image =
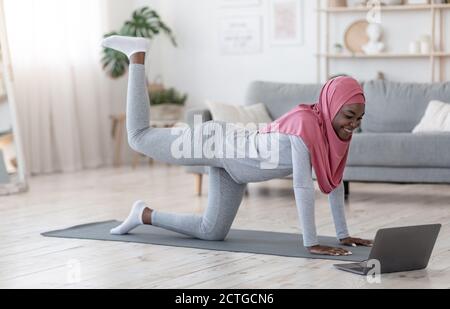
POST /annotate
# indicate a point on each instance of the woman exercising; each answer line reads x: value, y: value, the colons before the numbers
x: 316, y: 136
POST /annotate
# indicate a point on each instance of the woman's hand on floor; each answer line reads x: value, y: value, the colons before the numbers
x: 354, y: 242
x: 325, y: 250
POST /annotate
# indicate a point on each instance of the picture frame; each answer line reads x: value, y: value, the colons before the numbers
x: 240, y: 35
x: 286, y: 22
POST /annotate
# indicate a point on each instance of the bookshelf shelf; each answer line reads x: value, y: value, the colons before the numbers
x: 325, y: 56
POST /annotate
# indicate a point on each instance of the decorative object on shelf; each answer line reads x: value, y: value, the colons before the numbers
x: 414, y: 47
x: 286, y: 22
x: 374, y: 46
x: 356, y: 36
x: 425, y: 44
x: 337, y: 3
x: 144, y: 23
x: 167, y: 105
x: 353, y: 3
x: 338, y: 48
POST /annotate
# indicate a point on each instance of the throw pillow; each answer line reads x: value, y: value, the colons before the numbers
x: 250, y: 115
x: 436, y: 118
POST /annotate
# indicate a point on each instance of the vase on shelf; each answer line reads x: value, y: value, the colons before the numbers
x: 425, y: 44
x: 374, y: 46
x: 414, y: 47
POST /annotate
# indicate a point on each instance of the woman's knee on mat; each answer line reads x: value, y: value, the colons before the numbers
x: 215, y: 233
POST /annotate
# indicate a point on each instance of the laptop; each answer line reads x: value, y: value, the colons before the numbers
x: 398, y: 249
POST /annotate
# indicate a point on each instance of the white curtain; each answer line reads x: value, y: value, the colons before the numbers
x: 61, y: 91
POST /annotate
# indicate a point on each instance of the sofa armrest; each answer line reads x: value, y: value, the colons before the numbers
x: 204, y: 113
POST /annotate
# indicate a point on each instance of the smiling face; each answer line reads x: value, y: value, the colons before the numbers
x: 348, y: 119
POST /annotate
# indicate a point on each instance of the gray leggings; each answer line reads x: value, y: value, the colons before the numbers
x: 224, y: 196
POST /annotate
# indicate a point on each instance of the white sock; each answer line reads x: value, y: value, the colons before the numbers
x: 134, y: 219
x: 127, y: 45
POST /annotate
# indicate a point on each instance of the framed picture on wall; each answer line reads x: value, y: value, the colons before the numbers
x: 286, y: 22
x: 238, y: 3
x: 240, y: 35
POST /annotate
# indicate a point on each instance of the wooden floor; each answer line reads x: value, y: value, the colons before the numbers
x: 28, y: 260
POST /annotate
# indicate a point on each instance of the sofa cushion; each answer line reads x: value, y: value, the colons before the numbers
x: 400, y: 150
x: 280, y: 98
x: 436, y: 118
x: 398, y: 107
x: 252, y: 114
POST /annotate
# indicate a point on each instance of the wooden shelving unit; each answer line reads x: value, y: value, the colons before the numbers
x: 384, y: 55
x: 387, y: 8
x: 324, y: 56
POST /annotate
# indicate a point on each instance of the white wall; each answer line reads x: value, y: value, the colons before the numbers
x: 198, y: 68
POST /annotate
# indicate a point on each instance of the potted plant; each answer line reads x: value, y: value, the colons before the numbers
x: 338, y: 48
x: 145, y: 23
x: 167, y: 105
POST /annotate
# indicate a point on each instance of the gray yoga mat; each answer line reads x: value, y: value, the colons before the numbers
x: 271, y: 243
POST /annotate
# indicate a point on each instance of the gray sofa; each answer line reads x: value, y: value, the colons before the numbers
x: 384, y: 150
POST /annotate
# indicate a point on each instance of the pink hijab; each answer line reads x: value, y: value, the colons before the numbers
x: 313, y: 123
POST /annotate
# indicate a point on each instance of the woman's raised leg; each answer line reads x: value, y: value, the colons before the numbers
x: 162, y: 144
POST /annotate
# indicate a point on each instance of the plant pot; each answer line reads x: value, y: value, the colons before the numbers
x: 166, y: 112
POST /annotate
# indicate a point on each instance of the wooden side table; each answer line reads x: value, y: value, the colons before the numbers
x: 118, y: 131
